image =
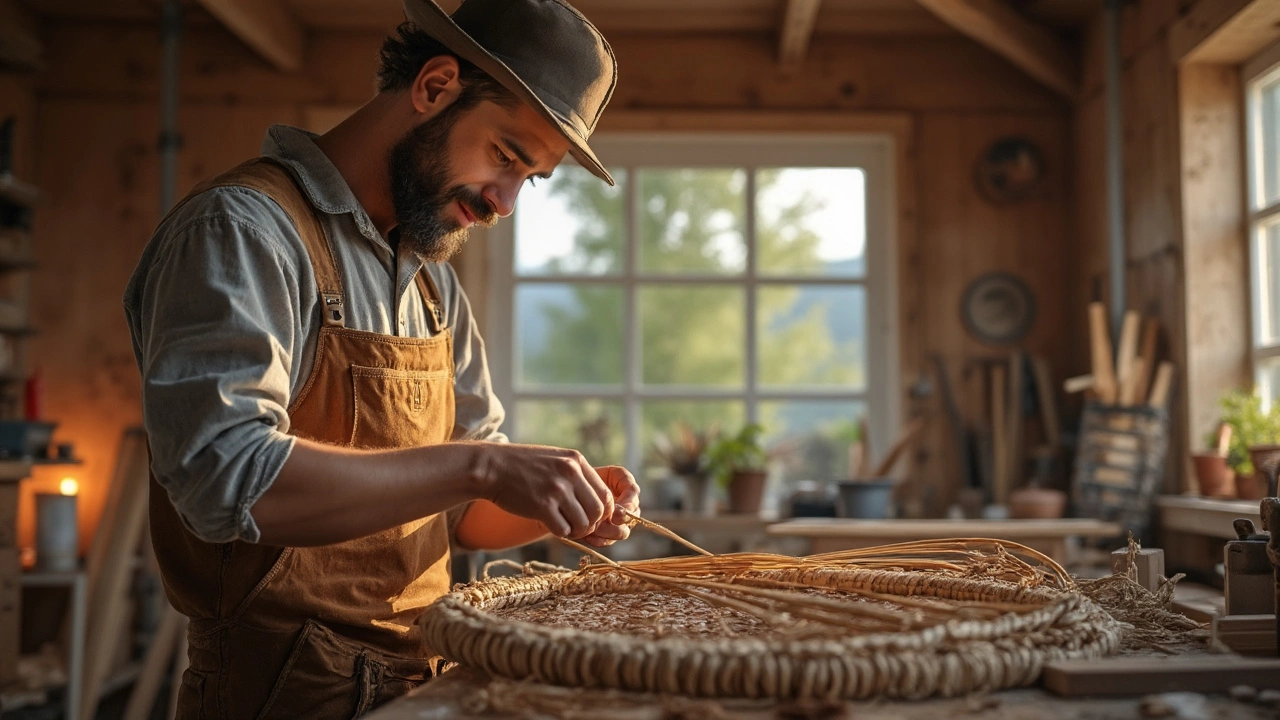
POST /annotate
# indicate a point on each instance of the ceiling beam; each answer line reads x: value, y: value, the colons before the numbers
x: 797, y: 29
x: 1224, y: 31
x: 1033, y: 48
x: 265, y: 26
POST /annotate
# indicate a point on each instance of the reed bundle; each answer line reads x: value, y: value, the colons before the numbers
x: 936, y: 617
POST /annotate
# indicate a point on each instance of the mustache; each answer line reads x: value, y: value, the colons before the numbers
x: 475, y: 204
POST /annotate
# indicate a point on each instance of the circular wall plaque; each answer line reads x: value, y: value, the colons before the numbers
x: 998, y: 308
x: 1011, y: 169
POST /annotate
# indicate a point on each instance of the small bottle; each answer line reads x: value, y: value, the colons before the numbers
x: 31, y: 397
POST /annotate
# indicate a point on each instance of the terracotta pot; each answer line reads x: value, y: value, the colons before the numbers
x: 746, y: 490
x: 1262, y: 456
x: 1037, y: 504
x: 1248, y: 487
x: 1215, y: 477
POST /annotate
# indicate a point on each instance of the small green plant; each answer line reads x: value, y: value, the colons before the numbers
x: 743, y: 451
x: 1250, y: 426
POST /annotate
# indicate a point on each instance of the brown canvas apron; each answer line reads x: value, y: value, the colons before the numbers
x: 323, y: 632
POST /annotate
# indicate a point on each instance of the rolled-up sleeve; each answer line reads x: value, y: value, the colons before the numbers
x: 212, y: 310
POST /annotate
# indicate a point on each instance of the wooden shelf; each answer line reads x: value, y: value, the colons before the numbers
x: 1204, y: 516
x: 19, y: 331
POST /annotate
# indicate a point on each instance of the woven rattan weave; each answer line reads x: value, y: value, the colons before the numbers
x: 904, y: 621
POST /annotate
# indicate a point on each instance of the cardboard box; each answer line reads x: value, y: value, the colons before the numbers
x: 10, y: 614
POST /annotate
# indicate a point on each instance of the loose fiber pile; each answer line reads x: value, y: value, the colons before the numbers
x: 901, y: 621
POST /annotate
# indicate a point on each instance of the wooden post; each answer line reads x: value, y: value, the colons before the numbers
x: 1104, y: 374
x: 1149, y: 566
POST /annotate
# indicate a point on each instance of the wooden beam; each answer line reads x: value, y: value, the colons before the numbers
x: 797, y: 29
x: 1031, y: 47
x: 265, y: 26
x: 1224, y: 31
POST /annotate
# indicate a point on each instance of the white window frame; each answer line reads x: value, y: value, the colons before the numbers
x: 873, y: 153
x: 1259, y: 71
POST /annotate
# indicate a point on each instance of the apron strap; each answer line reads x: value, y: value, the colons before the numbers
x: 271, y: 179
x: 431, y: 297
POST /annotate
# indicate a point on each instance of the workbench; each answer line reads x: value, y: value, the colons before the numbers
x: 1050, y: 537
x: 460, y: 693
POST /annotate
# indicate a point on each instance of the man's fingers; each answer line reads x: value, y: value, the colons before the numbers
x: 611, y: 532
x: 600, y: 488
x: 622, y: 485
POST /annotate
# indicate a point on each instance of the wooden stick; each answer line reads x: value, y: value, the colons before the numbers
x: 1129, y: 391
x: 1127, y: 354
x: 864, y: 453
x: 1048, y: 401
x: 1142, y: 386
x: 898, y: 448
x: 1100, y: 345
x: 1079, y: 383
x: 1224, y: 439
x: 999, y: 437
x: 1160, y: 388
x: 1013, y: 471
x: 1141, y: 675
x: 655, y: 527
x: 108, y: 595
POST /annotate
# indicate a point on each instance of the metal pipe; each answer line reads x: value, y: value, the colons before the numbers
x: 1115, y: 166
x: 170, y: 139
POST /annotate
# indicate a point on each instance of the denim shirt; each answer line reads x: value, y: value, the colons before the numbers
x: 225, y: 315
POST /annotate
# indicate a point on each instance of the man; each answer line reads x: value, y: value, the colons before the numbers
x: 315, y: 391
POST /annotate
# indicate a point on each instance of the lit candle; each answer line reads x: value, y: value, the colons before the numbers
x: 57, y: 534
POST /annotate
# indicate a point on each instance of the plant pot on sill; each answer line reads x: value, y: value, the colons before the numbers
x: 1214, y: 476
x: 866, y: 499
x: 746, y: 490
x: 1032, y: 503
x: 699, y: 495
x: 1261, y: 456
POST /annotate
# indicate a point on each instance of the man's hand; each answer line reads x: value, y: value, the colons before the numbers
x: 553, y: 486
x: 626, y: 496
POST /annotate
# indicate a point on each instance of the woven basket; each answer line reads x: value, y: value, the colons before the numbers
x: 957, y: 657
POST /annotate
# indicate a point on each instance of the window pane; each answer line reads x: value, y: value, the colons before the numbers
x: 701, y: 416
x: 1267, y: 283
x: 571, y: 224
x: 568, y: 334
x: 693, y: 335
x: 811, y: 438
x: 811, y: 221
x: 593, y: 427
x: 692, y: 220
x: 1268, y: 176
x: 812, y: 336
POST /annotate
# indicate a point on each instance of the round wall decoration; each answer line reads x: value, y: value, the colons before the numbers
x: 1011, y: 169
x: 998, y: 308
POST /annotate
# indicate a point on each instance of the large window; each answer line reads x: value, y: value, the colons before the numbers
x: 1262, y: 110
x: 723, y: 280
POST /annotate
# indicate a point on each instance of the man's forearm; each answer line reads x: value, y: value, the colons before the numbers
x: 325, y: 494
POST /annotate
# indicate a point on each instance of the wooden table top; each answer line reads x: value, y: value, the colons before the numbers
x: 465, y: 693
x: 941, y: 529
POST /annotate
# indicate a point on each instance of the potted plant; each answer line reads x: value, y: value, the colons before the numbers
x: 684, y: 453
x: 1215, y: 474
x: 1255, y: 440
x: 737, y: 462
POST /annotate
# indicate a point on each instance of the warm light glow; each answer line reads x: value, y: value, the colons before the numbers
x: 69, y: 486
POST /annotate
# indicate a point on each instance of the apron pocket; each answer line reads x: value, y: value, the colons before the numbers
x: 325, y: 678
x: 400, y: 408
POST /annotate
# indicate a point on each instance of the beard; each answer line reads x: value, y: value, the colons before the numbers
x: 422, y: 195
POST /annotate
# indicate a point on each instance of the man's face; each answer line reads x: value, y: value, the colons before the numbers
x: 460, y: 168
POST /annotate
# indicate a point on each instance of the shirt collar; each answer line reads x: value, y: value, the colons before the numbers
x: 323, y: 185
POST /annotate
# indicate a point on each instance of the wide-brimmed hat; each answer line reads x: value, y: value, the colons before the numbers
x: 544, y: 51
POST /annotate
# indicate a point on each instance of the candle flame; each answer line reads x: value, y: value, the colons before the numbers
x: 69, y: 486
